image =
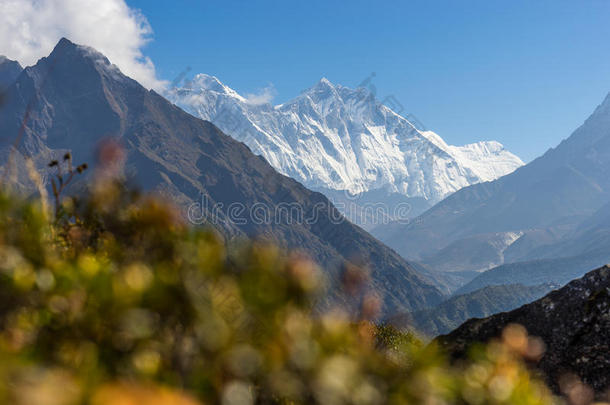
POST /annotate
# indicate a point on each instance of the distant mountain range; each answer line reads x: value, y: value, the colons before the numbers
x: 566, y: 258
x: 573, y: 323
x: 75, y: 97
x: 344, y: 142
x: 546, y: 222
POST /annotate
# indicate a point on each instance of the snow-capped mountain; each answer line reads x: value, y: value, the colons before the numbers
x: 82, y: 99
x: 333, y: 138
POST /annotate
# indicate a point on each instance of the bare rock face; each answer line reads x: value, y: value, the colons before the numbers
x: 451, y: 313
x: 573, y: 322
x: 9, y: 70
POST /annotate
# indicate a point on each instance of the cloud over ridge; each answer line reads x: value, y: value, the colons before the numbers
x: 29, y: 29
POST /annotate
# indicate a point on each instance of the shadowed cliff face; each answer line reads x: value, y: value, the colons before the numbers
x: 451, y: 313
x: 75, y: 97
x: 9, y: 70
x: 573, y: 322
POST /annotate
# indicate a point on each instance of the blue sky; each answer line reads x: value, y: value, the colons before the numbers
x: 525, y: 73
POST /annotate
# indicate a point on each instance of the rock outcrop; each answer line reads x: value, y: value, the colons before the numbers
x: 573, y: 322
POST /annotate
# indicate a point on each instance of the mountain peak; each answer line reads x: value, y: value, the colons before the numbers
x: 75, y: 57
x: 4, y: 61
x: 9, y: 70
x: 68, y: 52
x: 66, y: 48
x: 323, y: 84
x: 209, y: 82
x: 205, y: 82
x: 64, y: 43
x: 322, y: 90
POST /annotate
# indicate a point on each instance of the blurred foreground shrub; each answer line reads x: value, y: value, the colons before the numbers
x: 116, y: 302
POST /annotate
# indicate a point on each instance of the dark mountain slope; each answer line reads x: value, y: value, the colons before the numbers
x: 76, y: 97
x: 557, y: 271
x: 573, y: 322
x: 456, y: 310
x: 9, y: 70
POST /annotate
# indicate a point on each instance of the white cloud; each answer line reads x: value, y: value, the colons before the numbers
x: 29, y: 29
x: 263, y: 96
